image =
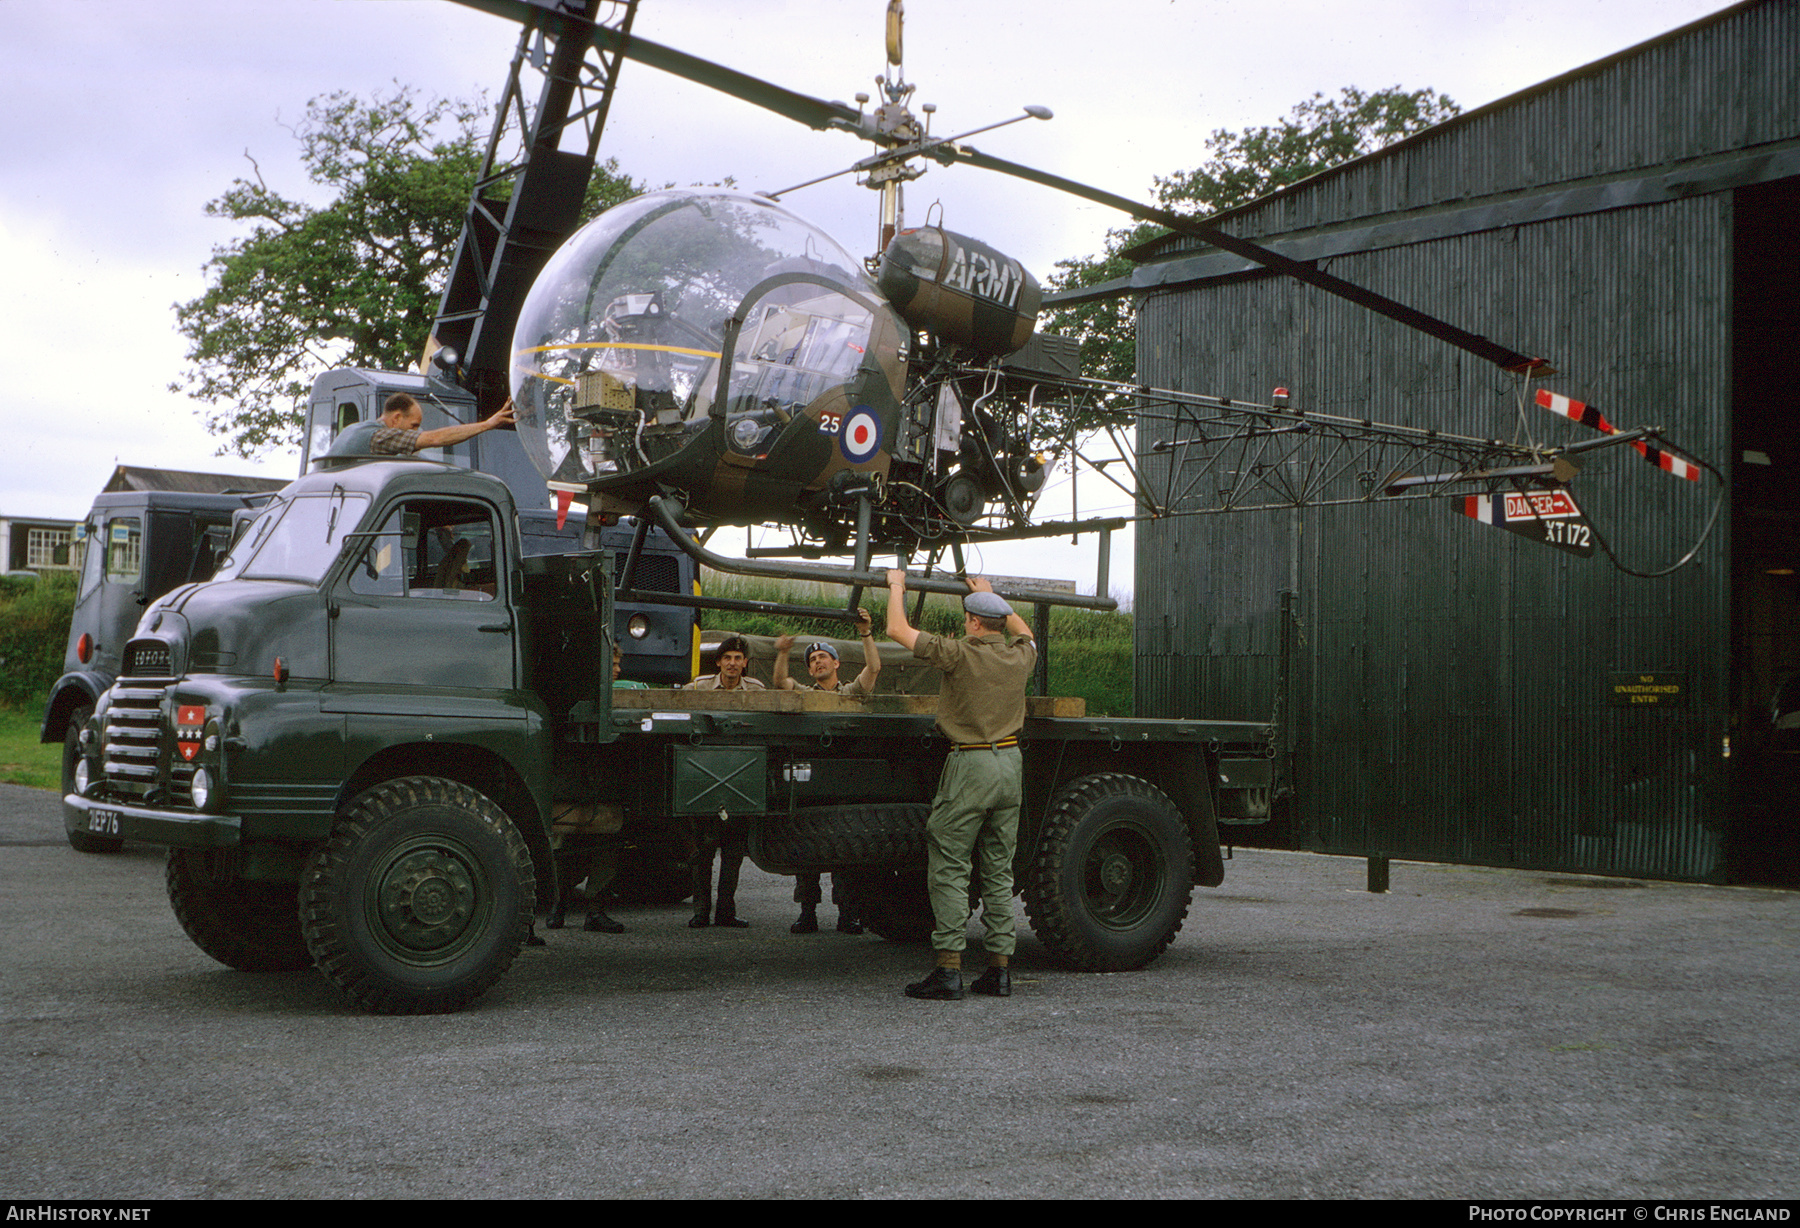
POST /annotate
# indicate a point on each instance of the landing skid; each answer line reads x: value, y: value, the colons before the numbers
x: 666, y: 512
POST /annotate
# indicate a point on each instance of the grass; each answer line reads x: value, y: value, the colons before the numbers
x: 23, y: 759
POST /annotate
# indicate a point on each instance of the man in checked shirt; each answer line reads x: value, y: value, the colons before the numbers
x: 399, y: 433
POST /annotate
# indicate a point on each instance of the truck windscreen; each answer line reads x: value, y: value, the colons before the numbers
x: 297, y: 540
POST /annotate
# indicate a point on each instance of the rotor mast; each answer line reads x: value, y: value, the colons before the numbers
x: 893, y: 124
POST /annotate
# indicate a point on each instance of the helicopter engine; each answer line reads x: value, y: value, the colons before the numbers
x: 960, y: 290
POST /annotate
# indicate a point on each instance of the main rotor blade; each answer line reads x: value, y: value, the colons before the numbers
x: 817, y: 113
x: 1481, y: 347
x: 813, y: 112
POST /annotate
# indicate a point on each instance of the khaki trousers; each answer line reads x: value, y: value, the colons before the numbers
x: 974, y: 819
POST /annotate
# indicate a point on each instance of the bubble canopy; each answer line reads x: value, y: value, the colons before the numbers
x: 616, y: 358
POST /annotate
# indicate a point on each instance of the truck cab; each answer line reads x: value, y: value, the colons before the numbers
x: 137, y: 546
x: 370, y: 634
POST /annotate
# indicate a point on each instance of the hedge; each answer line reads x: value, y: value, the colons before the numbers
x: 34, y: 632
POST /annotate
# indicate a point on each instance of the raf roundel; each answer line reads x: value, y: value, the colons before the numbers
x: 860, y: 437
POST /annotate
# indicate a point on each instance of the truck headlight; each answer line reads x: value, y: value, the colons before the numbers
x: 638, y: 627
x: 81, y: 774
x: 202, y: 788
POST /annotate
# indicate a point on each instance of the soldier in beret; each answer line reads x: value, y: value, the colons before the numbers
x: 981, y: 708
x: 822, y: 663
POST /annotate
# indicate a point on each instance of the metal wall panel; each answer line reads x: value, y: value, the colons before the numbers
x: 1450, y: 681
x: 1453, y: 680
x: 1728, y: 82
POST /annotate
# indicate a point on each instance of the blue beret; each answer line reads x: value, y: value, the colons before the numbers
x: 821, y: 646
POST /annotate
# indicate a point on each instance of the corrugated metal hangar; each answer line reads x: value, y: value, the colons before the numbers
x: 1446, y: 690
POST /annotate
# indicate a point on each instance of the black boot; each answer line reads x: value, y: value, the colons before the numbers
x: 996, y: 982
x: 847, y: 922
x: 725, y: 916
x: 599, y: 923
x: 943, y: 985
x: 808, y: 922
x: 701, y: 919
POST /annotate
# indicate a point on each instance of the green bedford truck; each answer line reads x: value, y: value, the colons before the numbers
x: 364, y: 737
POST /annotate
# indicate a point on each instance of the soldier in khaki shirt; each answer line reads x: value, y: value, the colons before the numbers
x: 730, y: 839
x: 981, y: 708
x: 822, y: 664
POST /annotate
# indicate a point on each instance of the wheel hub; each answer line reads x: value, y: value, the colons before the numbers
x: 1120, y: 876
x: 1115, y: 873
x: 427, y: 899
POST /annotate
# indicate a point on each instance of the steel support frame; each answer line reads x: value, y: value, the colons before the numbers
x: 510, y: 231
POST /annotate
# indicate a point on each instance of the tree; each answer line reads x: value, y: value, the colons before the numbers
x: 1317, y: 134
x: 354, y: 282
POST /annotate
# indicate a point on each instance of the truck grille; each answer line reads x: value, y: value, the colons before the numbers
x: 138, y: 744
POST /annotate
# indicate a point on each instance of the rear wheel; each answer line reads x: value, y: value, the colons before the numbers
x: 253, y: 927
x: 80, y: 841
x: 1108, y: 887
x: 421, y: 898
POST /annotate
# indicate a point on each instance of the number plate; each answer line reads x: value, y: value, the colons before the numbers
x: 104, y: 822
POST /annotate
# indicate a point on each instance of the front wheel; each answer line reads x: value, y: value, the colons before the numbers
x: 1108, y: 886
x: 421, y: 898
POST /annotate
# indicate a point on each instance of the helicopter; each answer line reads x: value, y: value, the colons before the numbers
x: 701, y: 358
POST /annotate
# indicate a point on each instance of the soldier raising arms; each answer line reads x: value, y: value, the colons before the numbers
x: 981, y: 708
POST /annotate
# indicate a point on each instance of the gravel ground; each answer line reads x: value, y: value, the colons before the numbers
x: 1474, y: 1033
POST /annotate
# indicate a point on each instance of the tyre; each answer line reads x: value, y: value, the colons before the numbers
x: 831, y: 837
x: 891, y: 903
x: 421, y: 898
x: 253, y: 927
x: 1108, y: 886
x: 80, y: 841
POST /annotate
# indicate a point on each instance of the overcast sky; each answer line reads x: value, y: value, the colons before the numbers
x: 123, y: 118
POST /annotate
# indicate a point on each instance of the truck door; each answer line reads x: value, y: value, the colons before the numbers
x: 426, y: 603
x: 111, y: 596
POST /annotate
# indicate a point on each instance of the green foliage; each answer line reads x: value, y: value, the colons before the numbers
x: 1317, y: 134
x: 23, y: 759
x: 34, y: 632
x: 1090, y: 652
x: 1097, y: 668
x: 354, y: 282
